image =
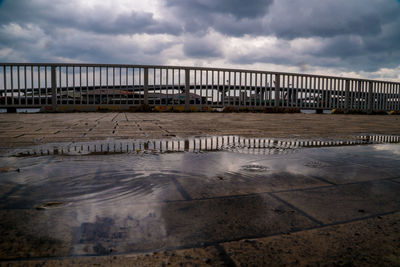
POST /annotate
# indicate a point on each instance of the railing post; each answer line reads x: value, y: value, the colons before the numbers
x: 277, y: 89
x: 370, y: 97
x: 398, y: 97
x: 5, y: 83
x: 223, y: 90
x: 347, y: 96
x: 187, y: 89
x: 54, y: 88
x: 146, y: 86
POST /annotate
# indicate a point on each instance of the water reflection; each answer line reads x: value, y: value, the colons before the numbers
x: 60, y: 205
x: 259, y: 146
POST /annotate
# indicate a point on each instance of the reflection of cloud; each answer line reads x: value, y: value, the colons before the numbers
x: 395, y: 149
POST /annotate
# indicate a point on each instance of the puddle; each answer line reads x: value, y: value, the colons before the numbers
x: 254, y: 168
x: 8, y: 169
x: 315, y: 164
x: 132, y: 196
x: 195, y: 144
x: 49, y: 205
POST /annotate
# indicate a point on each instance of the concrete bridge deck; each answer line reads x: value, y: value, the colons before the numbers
x: 348, y: 214
x: 29, y: 129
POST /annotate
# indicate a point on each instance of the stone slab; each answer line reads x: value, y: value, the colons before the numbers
x: 346, y: 202
x: 371, y: 242
x: 189, y: 124
x: 99, y: 229
x: 229, y: 184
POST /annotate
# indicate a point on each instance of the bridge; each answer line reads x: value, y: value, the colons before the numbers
x: 89, y: 87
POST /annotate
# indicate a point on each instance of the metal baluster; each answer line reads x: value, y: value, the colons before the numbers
x: 25, y: 87
x: 45, y: 86
x: 12, y: 84
x: 87, y: 85
x: 19, y: 85
x: 80, y: 85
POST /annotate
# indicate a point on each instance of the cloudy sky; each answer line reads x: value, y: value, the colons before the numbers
x: 359, y: 38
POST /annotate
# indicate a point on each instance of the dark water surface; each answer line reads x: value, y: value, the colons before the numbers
x: 62, y: 205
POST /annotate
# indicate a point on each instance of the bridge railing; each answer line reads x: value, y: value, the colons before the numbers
x: 53, y: 86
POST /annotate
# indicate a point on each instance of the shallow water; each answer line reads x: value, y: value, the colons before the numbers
x: 61, y: 205
x: 195, y: 144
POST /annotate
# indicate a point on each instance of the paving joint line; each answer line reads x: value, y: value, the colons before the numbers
x: 181, y: 190
x: 322, y: 180
x: 12, y: 191
x: 224, y: 255
x: 296, y: 209
x: 114, y: 117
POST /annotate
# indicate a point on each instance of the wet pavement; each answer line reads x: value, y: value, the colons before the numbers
x: 148, y: 199
x: 21, y: 130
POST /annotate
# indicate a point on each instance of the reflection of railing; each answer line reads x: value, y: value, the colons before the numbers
x: 54, y: 86
x: 239, y: 144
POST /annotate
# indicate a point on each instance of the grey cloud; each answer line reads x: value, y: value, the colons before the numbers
x: 339, y: 53
x: 233, y: 27
x: 133, y: 22
x: 75, y: 45
x: 352, y: 35
x: 237, y: 8
x: 308, y: 18
x: 285, y: 18
x: 368, y: 53
x: 201, y: 48
x: 235, y: 17
x: 65, y: 14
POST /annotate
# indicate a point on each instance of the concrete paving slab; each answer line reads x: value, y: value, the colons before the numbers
x: 370, y: 242
x: 97, y: 228
x: 241, y: 183
x: 247, y: 124
x: 124, y: 132
x: 346, y: 202
x: 185, y: 257
x: 6, y: 189
x: 353, y: 173
x: 59, y: 139
x: 220, y: 204
x: 354, y: 243
x: 220, y: 219
x: 361, y: 155
x: 33, y: 236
